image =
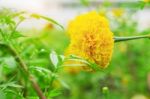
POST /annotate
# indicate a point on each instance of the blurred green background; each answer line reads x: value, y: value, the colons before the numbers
x: 127, y: 76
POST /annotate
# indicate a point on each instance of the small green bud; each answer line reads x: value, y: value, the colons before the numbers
x: 105, y: 90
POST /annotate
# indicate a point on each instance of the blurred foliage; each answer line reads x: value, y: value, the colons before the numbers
x: 41, y: 60
x: 85, y: 2
x: 127, y: 76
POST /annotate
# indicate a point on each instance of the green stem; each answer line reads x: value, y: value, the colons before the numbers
x: 119, y: 39
x: 105, y: 91
x: 23, y: 66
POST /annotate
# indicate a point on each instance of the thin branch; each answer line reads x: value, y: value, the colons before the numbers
x: 14, y: 29
x: 23, y: 66
x: 119, y: 39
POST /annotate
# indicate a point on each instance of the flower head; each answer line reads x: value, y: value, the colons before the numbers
x: 91, y: 38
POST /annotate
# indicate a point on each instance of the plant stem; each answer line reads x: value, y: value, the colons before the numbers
x: 119, y: 39
x: 23, y: 66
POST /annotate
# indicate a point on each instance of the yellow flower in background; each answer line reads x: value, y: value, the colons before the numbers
x: 118, y: 12
x: 91, y: 38
x: 139, y: 96
x: 146, y: 1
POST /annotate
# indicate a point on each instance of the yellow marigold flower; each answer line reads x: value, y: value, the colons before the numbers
x: 91, y: 38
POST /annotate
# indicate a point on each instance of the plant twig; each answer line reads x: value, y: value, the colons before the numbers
x: 119, y: 39
x: 23, y: 66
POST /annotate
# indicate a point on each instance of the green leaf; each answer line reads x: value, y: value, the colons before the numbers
x: 62, y: 57
x: 16, y: 34
x: 85, y: 2
x: 54, y: 58
x: 8, y: 20
x: 41, y: 70
x: 37, y: 16
x: 54, y: 92
x: 141, y: 4
x: 18, y: 14
x: 94, y: 66
x: 10, y: 84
